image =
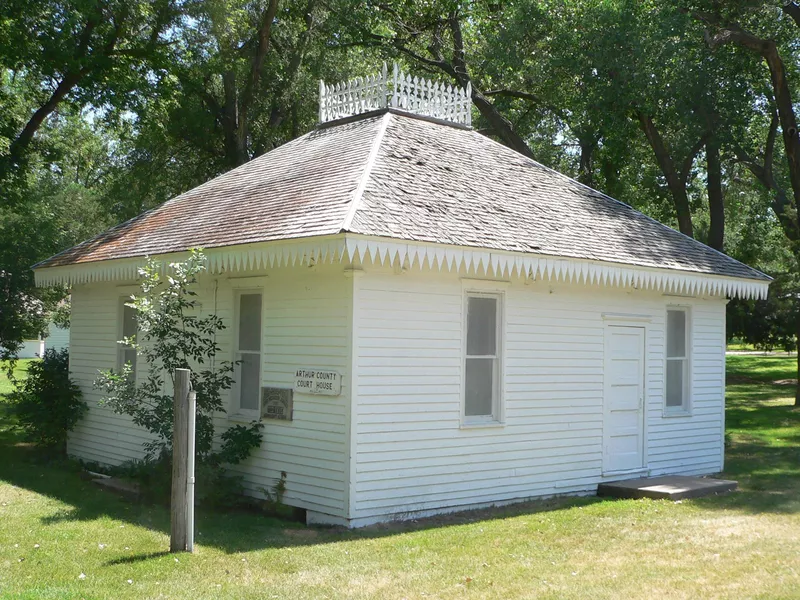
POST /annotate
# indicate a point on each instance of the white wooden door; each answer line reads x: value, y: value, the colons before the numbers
x: 623, y: 419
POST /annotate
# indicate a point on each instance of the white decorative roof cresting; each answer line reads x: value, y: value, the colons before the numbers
x: 401, y: 91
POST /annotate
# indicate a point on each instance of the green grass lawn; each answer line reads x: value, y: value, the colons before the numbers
x: 61, y: 537
x: 19, y: 371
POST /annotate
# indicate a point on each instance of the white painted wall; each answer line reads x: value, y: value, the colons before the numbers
x: 402, y: 451
x: 413, y: 457
x: 306, y: 320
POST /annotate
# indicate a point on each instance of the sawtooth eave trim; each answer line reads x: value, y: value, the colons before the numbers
x: 421, y: 255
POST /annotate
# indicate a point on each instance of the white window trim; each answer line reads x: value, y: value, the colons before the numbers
x: 121, y: 348
x: 685, y: 410
x: 236, y: 412
x: 484, y: 289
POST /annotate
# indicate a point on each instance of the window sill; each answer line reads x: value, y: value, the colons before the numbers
x: 671, y: 413
x: 243, y: 418
x: 482, y: 425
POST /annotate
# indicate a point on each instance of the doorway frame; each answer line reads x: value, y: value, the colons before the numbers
x: 643, y: 322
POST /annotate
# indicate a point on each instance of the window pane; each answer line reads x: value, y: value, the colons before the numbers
x: 675, y: 382
x: 249, y: 381
x: 676, y: 333
x: 250, y: 322
x: 481, y: 326
x: 128, y: 320
x: 479, y: 382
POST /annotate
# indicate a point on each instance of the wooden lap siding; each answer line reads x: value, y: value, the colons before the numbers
x: 413, y: 456
x: 101, y: 436
x: 305, y: 323
x: 691, y: 444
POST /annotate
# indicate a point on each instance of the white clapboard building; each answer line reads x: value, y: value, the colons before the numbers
x: 427, y: 320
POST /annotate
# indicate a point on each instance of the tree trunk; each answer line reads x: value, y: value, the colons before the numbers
x: 768, y: 50
x: 676, y: 181
x: 235, y: 142
x: 586, y: 168
x: 498, y: 123
x: 716, y: 199
x: 502, y: 126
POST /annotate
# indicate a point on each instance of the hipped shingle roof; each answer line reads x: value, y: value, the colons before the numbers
x: 396, y: 176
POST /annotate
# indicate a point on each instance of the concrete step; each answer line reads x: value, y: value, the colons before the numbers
x: 671, y: 487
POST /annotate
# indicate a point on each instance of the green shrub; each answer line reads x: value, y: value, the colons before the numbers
x: 170, y: 337
x: 48, y: 404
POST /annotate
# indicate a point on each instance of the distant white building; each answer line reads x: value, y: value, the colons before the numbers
x: 56, y: 338
x: 427, y: 320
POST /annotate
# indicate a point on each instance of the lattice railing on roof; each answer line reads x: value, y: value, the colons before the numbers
x: 400, y: 90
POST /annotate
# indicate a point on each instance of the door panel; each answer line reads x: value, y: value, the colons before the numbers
x: 623, y: 419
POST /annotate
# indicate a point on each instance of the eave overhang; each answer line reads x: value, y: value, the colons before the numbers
x: 351, y: 248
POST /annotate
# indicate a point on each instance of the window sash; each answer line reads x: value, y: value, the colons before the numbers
x: 682, y: 390
x: 250, y: 405
x: 676, y: 382
x: 126, y: 328
x: 477, y: 408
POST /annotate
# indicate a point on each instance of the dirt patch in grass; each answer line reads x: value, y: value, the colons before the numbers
x: 301, y: 534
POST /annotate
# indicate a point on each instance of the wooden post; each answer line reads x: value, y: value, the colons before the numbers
x: 180, y: 455
x: 190, y: 474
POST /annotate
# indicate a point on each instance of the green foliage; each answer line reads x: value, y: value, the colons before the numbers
x: 272, y: 503
x: 162, y: 95
x: 767, y: 324
x: 61, y: 314
x: 47, y: 403
x: 170, y: 337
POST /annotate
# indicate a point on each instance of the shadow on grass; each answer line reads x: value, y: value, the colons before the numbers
x: 231, y: 532
x: 761, y: 368
x: 137, y: 558
x: 763, y: 454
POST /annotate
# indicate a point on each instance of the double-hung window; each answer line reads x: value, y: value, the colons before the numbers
x: 482, y: 360
x: 248, y: 352
x: 677, y: 367
x: 126, y: 354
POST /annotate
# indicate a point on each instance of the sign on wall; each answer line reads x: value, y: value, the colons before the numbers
x: 276, y: 403
x: 317, y: 381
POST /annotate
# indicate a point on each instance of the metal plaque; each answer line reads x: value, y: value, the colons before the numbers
x: 276, y: 403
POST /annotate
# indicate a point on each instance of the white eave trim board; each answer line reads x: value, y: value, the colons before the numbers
x: 380, y: 251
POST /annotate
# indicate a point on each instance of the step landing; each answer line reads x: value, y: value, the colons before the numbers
x: 671, y: 487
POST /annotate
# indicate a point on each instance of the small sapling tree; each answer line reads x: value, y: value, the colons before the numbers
x: 169, y: 336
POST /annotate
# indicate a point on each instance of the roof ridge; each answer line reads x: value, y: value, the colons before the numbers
x: 362, y: 183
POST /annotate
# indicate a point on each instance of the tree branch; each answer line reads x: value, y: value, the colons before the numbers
x: 264, y: 33
x: 533, y: 98
x: 67, y: 83
x: 686, y: 167
x: 769, y: 149
x: 293, y: 68
x: 785, y: 209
